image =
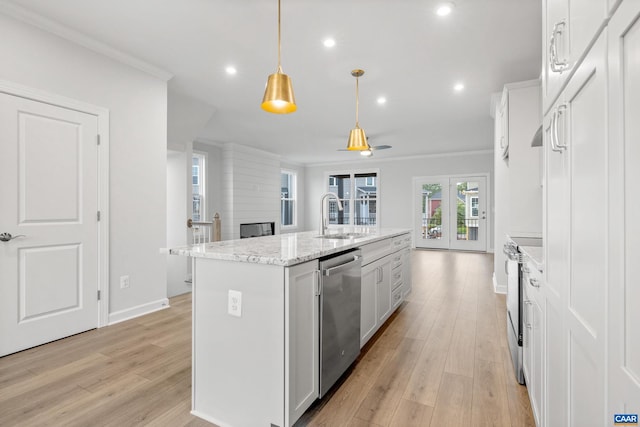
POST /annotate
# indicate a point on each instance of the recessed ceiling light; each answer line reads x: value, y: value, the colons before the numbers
x: 382, y: 100
x: 329, y: 42
x: 444, y: 9
x: 458, y: 87
x: 231, y: 70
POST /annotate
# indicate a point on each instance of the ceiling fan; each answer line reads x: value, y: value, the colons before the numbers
x: 369, y: 152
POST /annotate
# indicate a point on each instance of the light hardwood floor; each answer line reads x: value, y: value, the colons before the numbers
x: 440, y: 360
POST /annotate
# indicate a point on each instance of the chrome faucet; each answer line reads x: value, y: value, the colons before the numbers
x: 323, y: 220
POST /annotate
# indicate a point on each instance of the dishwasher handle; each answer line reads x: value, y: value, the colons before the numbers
x: 341, y: 267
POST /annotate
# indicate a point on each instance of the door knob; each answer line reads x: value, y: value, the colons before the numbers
x: 5, y: 237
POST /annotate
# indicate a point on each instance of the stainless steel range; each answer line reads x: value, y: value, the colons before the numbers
x: 513, y: 268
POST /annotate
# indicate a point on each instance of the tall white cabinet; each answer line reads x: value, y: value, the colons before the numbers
x: 591, y: 344
x: 623, y: 227
x: 517, y: 165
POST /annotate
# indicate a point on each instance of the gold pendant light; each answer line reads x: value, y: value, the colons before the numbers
x: 357, y: 137
x: 278, y: 95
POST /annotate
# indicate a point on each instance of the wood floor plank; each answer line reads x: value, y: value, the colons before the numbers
x: 455, y: 397
x: 461, y: 357
x: 490, y: 406
x: 411, y: 414
x: 385, y: 393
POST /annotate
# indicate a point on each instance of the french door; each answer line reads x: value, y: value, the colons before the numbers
x: 451, y: 212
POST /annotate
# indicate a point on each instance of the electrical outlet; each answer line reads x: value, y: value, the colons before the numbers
x: 235, y: 303
x: 124, y: 282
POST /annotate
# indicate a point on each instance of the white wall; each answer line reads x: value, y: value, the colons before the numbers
x: 396, y: 175
x: 138, y: 112
x: 250, y: 188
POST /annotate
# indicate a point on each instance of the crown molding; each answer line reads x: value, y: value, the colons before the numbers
x: 28, y: 17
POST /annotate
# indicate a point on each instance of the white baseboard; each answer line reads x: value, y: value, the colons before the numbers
x: 137, y: 311
x: 496, y: 288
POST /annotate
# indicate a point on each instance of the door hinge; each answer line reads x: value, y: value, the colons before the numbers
x: 98, y: 139
x: 98, y: 215
x: 99, y: 295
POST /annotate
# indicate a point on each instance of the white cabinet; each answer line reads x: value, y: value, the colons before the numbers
x: 624, y: 205
x: 369, y: 303
x: 302, y: 365
x: 533, y: 338
x: 384, y: 282
x: 267, y: 356
x: 517, y: 190
x: 575, y: 233
x: 383, y: 288
x: 568, y: 28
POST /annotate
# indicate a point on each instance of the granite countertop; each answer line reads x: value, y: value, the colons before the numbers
x: 534, y: 254
x: 285, y: 249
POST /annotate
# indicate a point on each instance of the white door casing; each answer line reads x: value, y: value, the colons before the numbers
x: 52, y: 188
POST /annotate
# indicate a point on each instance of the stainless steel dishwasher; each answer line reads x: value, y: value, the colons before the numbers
x: 339, y: 315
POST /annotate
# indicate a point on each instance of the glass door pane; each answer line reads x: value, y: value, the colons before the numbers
x: 469, y: 216
x: 431, y: 226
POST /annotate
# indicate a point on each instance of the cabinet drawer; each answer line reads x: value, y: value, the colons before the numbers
x: 396, y: 297
x: 396, y: 261
x: 396, y: 279
x: 400, y: 242
x: 376, y: 250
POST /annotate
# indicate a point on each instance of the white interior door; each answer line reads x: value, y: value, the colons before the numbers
x: 451, y: 212
x: 49, y: 193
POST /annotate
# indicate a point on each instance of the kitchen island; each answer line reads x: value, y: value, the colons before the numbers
x: 256, y: 319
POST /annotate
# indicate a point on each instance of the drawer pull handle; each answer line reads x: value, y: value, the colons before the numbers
x: 534, y: 282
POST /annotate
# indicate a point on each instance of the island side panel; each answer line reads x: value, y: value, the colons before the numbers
x: 238, y: 369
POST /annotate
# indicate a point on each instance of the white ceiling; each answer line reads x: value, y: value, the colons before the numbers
x: 410, y: 55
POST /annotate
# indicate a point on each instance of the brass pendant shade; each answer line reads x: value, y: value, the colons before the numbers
x: 278, y: 95
x: 357, y: 137
x: 357, y: 140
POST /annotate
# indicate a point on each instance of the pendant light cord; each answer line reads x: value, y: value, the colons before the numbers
x: 357, y: 101
x: 279, y: 40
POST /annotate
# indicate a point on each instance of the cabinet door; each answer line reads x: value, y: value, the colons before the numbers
x: 586, y: 128
x: 383, y: 286
x: 576, y: 280
x: 537, y: 361
x: 569, y: 27
x: 623, y: 225
x: 368, y: 303
x: 526, y: 337
x: 301, y: 338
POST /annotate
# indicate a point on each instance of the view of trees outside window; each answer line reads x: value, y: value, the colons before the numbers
x: 287, y: 198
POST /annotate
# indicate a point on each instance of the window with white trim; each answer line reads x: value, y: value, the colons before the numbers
x: 198, y: 164
x: 358, y: 192
x: 288, y: 198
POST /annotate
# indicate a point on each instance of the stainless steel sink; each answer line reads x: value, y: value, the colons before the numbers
x: 342, y: 236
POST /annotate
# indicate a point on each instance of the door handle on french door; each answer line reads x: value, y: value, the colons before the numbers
x: 5, y: 237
